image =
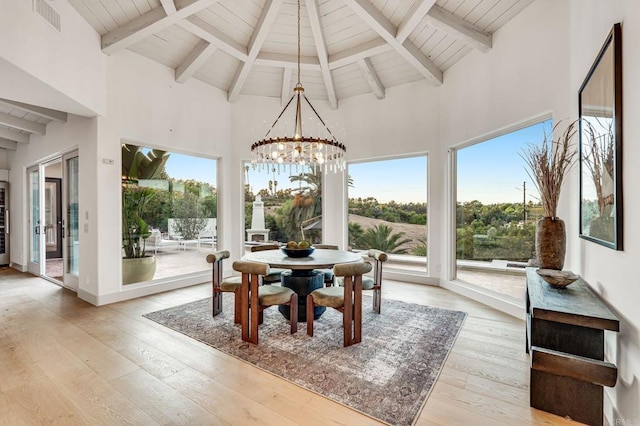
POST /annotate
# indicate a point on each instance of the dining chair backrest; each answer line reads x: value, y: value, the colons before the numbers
x: 326, y: 246
x: 262, y: 247
x: 256, y: 298
x: 378, y: 257
x: 216, y: 259
x: 274, y: 275
x: 347, y: 299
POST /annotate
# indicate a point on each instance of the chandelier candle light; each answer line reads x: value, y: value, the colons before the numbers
x: 322, y: 151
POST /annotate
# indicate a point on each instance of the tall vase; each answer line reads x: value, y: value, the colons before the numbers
x: 551, y: 243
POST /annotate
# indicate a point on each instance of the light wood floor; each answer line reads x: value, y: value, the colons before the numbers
x: 63, y: 361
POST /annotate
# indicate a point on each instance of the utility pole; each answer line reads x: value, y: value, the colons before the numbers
x: 524, y: 201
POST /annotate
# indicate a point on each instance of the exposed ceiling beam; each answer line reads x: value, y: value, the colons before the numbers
x: 459, y: 28
x: 51, y: 114
x: 413, y: 18
x: 7, y: 144
x: 169, y: 6
x: 267, y: 17
x: 196, y: 58
x: 200, y: 28
x: 372, y: 78
x: 323, y: 56
x: 286, y: 85
x: 354, y: 54
x: 22, y: 124
x: 13, y: 136
x: 283, y: 60
x: 385, y: 29
x: 150, y: 23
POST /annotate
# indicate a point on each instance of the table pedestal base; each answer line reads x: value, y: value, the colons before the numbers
x: 302, y: 282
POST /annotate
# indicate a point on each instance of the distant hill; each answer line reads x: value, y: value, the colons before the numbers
x: 413, y: 232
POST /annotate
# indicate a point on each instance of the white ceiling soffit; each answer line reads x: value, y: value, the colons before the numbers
x: 427, y: 36
x: 18, y: 121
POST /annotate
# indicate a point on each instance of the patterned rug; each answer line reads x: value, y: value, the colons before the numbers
x: 388, y: 376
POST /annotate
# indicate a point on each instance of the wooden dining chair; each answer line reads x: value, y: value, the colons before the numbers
x: 346, y: 299
x: 226, y: 285
x: 275, y: 274
x: 328, y: 273
x: 373, y: 283
x: 255, y: 298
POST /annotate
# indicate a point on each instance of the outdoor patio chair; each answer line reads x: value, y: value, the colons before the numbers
x: 156, y: 241
x: 346, y: 299
x: 328, y: 273
x: 378, y: 257
x: 220, y: 285
x: 275, y: 274
x: 256, y: 298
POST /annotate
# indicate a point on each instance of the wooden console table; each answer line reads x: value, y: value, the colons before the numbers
x: 565, y: 338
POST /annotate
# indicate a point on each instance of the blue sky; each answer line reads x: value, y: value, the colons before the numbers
x: 490, y: 172
x: 187, y: 167
x: 493, y: 171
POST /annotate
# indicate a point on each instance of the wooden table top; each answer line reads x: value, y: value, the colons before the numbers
x: 319, y: 259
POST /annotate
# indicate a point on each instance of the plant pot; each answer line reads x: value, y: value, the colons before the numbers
x: 138, y: 269
x: 551, y: 243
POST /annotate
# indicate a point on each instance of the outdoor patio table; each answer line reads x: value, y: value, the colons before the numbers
x: 303, y: 279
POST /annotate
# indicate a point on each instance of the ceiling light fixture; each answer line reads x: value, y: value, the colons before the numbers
x: 321, y: 151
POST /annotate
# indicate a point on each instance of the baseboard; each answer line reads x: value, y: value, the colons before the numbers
x: 18, y: 267
x: 611, y: 415
x: 493, y: 300
x: 87, y: 297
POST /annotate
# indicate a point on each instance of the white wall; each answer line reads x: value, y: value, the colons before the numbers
x: 61, y: 70
x: 149, y: 108
x: 614, y: 274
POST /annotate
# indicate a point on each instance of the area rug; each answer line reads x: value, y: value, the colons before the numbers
x: 387, y: 376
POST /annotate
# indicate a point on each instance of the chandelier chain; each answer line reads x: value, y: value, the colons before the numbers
x: 299, y: 43
x: 314, y: 150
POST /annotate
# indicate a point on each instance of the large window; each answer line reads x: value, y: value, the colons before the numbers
x: 497, y: 208
x: 388, y: 210
x: 282, y: 205
x: 169, y: 211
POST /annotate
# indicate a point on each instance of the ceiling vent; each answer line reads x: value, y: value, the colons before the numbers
x: 47, y: 12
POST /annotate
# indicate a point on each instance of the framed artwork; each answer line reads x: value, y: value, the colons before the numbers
x: 600, y: 151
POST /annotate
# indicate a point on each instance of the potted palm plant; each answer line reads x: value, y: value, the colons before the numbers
x: 547, y: 165
x: 137, y: 266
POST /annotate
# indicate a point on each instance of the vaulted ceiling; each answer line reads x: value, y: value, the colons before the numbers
x: 348, y: 47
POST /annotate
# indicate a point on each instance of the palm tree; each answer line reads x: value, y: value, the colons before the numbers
x: 355, y: 233
x: 380, y: 237
x: 307, y: 201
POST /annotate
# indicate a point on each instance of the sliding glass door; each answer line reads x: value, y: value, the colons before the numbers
x: 71, y: 233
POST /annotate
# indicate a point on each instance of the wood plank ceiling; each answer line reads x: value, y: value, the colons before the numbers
x: 348, y: 47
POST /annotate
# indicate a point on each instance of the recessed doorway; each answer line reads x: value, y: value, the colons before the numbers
x: 53, y: 220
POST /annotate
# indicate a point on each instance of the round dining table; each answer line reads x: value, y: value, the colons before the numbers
x: 304, y: 276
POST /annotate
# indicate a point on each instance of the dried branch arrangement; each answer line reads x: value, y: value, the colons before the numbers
x: 598, y: 151
x: 548, y: 163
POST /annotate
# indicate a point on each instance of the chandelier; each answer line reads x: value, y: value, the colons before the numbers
x: 321, y: 151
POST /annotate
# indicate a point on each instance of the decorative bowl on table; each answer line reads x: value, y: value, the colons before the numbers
x: 297, y: 252
x: 559, y: 279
